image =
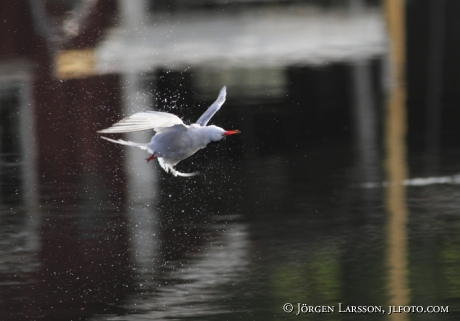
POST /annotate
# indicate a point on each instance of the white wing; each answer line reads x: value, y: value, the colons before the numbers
x: 206, y: 117
x: 155, y: 120
x: 128, y: 143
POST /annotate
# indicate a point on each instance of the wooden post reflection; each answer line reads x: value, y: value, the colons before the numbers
x: 395, y: 162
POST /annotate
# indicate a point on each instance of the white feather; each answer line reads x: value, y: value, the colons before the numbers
x: 128, y: 143
x: 169, y: 168
x: 206, y: 117
x: 155, y: 120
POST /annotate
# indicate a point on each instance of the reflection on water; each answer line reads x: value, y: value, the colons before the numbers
x: 301, y: 232
x: 197, y: 283
x: 395, y: 164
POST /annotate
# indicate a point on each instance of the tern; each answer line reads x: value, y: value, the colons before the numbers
x: 173, y: 141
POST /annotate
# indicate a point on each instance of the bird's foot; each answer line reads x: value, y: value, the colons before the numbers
x: 150, y: 158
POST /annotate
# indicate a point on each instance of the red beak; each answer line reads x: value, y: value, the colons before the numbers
x: 231, y: 132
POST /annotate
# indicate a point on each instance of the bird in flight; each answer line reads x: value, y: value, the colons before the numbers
x: 173, y: 141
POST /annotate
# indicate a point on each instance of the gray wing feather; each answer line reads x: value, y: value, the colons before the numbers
x: 206, y: 117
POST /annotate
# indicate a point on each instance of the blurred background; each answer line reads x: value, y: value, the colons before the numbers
x: 342, y: 188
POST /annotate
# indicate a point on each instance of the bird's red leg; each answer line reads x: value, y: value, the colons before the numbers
x: 150, y: 158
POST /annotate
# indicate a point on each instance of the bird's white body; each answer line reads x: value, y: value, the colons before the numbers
x: 174, y: 141
x: 176, y: 145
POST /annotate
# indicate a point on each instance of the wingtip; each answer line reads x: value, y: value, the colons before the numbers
x: 103, y: 137
x: 223, y: 92
x: 105, y: 131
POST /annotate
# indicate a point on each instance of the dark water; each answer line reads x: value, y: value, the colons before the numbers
x: 236, y: 243
x: 340, y: 196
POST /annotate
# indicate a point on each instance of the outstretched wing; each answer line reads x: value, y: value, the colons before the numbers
x: 206, y: 117
x: 155, y: 120
x: 128, y: 143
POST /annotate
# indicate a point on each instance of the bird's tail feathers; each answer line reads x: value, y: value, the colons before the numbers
x: 177, y: 173
x: 128, y: 143
x: 168, y: 168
